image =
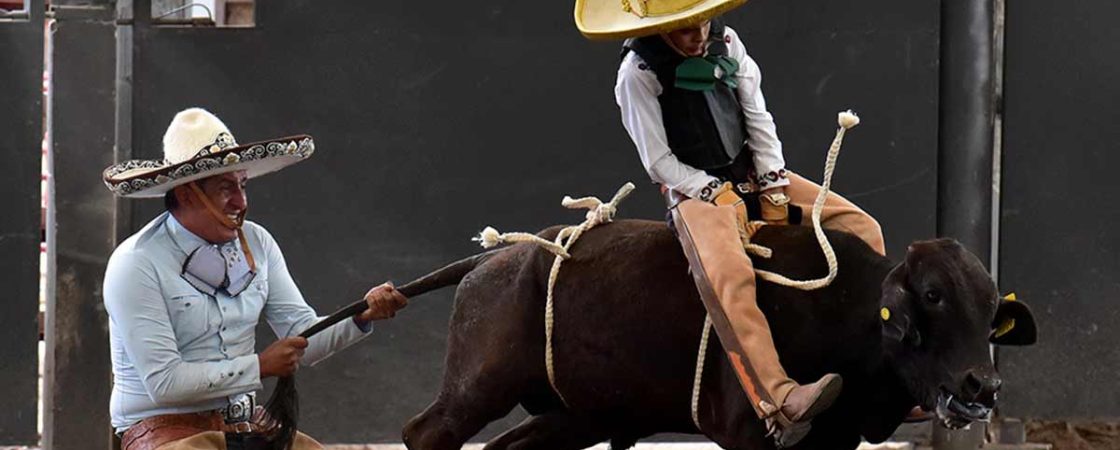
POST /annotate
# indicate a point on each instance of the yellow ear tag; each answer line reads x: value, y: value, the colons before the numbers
x: 885, y: 314
x: 1005, y: 327
x: 1010, y: 297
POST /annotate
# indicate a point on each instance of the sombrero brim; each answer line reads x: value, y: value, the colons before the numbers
x: 148, y: 179
x: 605, y: 19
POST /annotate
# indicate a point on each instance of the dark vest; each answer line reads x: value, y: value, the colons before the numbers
x: 705, y: 129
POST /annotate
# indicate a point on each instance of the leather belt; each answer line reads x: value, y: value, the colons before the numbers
x: 674, y: 198
x: 152, y: 432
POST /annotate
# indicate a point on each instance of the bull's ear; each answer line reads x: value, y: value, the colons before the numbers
x: 895, y: 305
x: 1014, y: 323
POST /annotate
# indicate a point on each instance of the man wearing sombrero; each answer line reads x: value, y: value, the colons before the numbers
x: 691, y: 101
x: 185, y: 293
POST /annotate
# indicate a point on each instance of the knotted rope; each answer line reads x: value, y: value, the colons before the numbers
x: 598, y: 213
x: 847, y: 120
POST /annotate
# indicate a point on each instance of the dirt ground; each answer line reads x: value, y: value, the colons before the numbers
x: 1075, y: 435
x: 642, y: 446
x: 1062, y: 435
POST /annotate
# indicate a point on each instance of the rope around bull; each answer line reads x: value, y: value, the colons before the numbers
x: 600, y: 212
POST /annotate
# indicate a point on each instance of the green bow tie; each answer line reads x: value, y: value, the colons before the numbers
x: 702, y: 73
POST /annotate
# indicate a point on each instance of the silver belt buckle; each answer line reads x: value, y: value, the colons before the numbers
x: 240, y: 408
x: 745, y: 188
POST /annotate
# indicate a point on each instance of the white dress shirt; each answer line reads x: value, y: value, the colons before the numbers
x: 175, y: 349
x: 636, y: 92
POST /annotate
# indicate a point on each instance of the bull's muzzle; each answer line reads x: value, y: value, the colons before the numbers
x: 976, y: 398
x: 981, y: 387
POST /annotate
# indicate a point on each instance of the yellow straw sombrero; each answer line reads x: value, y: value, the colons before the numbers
x: 621, y: 19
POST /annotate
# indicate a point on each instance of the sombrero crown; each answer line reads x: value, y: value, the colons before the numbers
x: 198, y: 145
x: 621, y: 19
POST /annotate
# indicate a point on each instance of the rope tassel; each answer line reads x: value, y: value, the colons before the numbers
x: 489, y: 238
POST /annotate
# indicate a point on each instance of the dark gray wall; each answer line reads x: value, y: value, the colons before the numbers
x: 434, y: 122
x: 879, y: 58
x: 77, y: 401
x: 20, y: 144
x: 1059, y: 242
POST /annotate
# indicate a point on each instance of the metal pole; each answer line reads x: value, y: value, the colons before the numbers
x: 965, y: 148
x: 79, y: 375
x: 123, y: 127
x: 49, y: 336
x: 965, y: 135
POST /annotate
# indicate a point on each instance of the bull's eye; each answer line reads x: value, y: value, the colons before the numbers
x: 933, y: 296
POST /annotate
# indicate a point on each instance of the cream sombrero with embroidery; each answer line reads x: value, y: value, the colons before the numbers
x: 621, y: 19
x: 198, y: 145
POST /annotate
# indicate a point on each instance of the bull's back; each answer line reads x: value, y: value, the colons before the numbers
x: 627, y: 316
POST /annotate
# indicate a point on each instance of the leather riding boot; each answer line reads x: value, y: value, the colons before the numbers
x: 724, y: 275
x: 806, y: 401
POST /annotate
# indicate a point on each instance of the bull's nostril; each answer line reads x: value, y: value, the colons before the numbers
x: 981, y: 382
x: 981, y: 388
x: 972, y: 384
x: 974, y: 379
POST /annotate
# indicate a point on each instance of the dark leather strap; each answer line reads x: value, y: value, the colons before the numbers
x: 247, y: 441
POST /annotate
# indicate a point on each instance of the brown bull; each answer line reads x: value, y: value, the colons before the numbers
x: 628, y: 322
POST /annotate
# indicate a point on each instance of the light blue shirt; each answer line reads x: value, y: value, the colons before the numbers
x: 176, y: 349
